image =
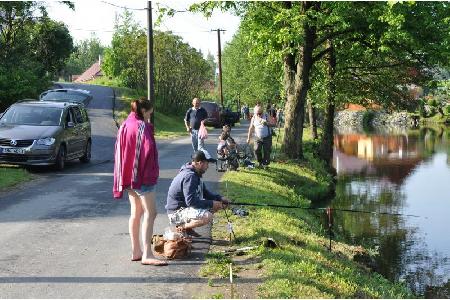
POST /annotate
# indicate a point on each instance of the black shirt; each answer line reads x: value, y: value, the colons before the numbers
x: 195, y: 116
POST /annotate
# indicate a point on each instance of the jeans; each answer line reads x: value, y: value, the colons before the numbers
x: 263, y: 147
x: 145, y: 189
x: 197, y: 143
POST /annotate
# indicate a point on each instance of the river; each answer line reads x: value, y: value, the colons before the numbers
x: 399, y: 171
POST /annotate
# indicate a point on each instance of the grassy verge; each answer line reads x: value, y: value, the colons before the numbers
x: 436, y: 119
x: 10, y: 176
x: 166, y: 126
x: 301, y: 265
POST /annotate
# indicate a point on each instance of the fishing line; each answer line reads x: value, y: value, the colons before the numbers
x: 324, y: 209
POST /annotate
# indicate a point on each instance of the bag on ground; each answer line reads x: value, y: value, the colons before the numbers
x: 171, y: 249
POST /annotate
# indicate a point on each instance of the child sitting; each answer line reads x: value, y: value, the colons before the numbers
x: 226, y: 142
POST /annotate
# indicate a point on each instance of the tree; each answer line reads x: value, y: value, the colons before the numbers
x: 249, y: 78
x: 394, y: 37
x: 32, y: 50
x: 181, y: 73
x: 86, y: 53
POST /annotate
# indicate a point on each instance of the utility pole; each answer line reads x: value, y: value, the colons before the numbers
x: 150, y: 61
x: 220, y: 64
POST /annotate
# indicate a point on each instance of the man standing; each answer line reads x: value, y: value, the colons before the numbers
x: 189, y: 203
x: 262, y: 128
x: 193, y: 119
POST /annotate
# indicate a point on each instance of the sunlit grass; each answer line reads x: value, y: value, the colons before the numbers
x: 301, y: 266
x: 10, y: 176
x: 166, y: 126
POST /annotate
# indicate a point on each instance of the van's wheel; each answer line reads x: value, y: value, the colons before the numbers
x: 87, y: 153
x: 61, y: 158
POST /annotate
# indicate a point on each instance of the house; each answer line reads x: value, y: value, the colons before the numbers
x: 92, y: 72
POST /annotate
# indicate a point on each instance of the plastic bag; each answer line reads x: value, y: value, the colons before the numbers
x: 171, y: 234
x: 202, y: 132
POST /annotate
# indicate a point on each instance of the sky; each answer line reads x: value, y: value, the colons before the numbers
x: 98, y: 17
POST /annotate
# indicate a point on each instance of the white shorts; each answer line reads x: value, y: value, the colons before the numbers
x: 186, y: 214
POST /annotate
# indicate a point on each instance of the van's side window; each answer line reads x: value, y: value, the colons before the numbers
x: 78, y: 116
x: 69, y: 117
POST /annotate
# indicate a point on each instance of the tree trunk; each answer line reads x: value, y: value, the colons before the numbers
x: 312, y: 119
x: 296, y: 99
x: 326, y: 149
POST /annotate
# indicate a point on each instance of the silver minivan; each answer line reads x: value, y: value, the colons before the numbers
x: 45, y: 133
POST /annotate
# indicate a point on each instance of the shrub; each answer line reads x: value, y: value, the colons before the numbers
x: 447, y: 110
x: 368, y: 117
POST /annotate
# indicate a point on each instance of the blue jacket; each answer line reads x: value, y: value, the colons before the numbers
x: 186, y: 190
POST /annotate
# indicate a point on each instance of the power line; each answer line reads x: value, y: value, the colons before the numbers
x: 167, y: 30
x: 124, y: 7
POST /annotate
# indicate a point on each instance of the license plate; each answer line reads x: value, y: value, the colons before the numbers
x: 12, y: 150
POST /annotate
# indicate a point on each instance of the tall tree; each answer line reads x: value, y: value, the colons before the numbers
x: 181, y: 72
x: 249, y: 78
x: 32, y: 50
x: 395, y: 36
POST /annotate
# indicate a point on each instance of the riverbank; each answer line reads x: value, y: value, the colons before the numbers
x: 291, y: 257
x: 355, y: 120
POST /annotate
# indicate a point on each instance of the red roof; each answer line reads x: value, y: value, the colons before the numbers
x: 90, y: 73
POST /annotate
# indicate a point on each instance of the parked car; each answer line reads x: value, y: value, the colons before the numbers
x: 214, y: 114
x: 45, y: 133
x: 230, y: 117
x: 67, y: 95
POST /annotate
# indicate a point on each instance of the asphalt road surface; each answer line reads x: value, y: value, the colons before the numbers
x: 64, y: 236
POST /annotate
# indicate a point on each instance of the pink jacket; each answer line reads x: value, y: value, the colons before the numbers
x: 136, y: 156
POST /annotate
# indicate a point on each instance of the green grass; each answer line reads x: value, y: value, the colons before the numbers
x: 10, y: 176
x: 437, y: 118
x: 302, y: 266
x: 166, y: 126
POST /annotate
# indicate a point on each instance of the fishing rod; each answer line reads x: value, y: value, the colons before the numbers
x: 324, y: 209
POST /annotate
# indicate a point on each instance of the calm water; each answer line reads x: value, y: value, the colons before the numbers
x: 406, y: 172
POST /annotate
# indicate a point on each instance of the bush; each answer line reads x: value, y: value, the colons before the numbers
x: 368, y: 117
x: 433, y: 102
x: 447, y: 110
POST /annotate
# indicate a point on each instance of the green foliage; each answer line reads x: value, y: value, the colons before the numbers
x: 381, y: 48
x: 166, y: 125
x: 52, y: 44
x: 217, y: 263
x: 301, y: 267
x: 249, y: 78
x: 368, y: 117
x: 12, y: 176
x: 86, y: 53
x: 32, y: 50
x: 447, y: 110
x: 181, y: 73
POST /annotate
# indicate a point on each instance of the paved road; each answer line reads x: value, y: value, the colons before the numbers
x: 63, y: 236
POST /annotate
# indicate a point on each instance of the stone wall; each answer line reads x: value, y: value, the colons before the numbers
x: 354, y: 119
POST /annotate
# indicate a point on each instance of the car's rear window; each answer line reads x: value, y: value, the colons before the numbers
x: 64, y: 96
x: 32, y: 115
x: 210, y: 106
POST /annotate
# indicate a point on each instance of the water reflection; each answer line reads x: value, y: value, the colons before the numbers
x: 406, y: 172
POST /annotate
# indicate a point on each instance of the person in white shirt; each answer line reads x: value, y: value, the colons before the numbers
x: 262, y: 130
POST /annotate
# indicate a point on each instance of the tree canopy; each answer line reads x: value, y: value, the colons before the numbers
x: 33, y: 49
x: 378, y: 48
x: 181, y: 73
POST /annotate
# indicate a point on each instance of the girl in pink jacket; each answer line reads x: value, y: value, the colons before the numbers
x: 136, y: 170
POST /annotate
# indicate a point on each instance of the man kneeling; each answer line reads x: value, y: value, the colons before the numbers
x: 189, y: 203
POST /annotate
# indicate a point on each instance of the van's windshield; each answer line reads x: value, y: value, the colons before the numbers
x: 32, y: 115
